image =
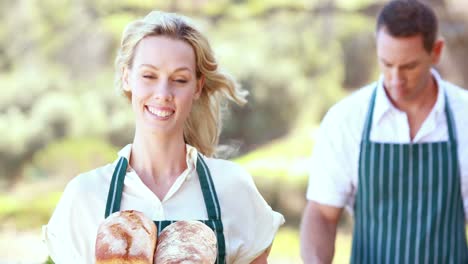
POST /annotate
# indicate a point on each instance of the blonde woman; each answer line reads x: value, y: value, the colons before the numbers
x: 166, y: 69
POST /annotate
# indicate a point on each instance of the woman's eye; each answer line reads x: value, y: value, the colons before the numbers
x: 180, y: 80
x: 149, y: 77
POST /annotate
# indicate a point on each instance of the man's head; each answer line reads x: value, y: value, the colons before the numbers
x: 407, y: 48
x: 406, y: 18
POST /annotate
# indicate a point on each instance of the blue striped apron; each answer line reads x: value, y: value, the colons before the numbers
x: 409, y: 207
x: 209, y: 194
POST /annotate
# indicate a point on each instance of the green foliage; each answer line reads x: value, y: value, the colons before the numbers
x: 280, y: 169
x: 58, y: 73
x: 67, y: 158
x: 284, y: 159
x: 32, y: 205
x: 49, y: 261
x: 115, y: 23
x: 354, y: 5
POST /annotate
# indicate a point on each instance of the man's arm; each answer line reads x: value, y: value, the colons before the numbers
x: 318, y: 233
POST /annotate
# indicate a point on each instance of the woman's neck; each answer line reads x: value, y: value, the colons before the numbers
x: 158, y: 159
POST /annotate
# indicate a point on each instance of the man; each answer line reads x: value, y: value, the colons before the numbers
x: 396, y: 153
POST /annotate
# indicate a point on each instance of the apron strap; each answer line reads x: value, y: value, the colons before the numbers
x: 451, y: 127
x: 212, y: 207
x: 209, y: 192
x: 114, y: 196
x: 206, y: 183
x: 369, y: 118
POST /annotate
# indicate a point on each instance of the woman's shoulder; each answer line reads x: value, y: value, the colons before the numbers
x: 92, y: 180
x: 247, y: 218
x: 228, y: 171
x: 231, y: 179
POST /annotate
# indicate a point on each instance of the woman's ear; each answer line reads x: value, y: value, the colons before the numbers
x: 199, y: 88
x: 125, y: 84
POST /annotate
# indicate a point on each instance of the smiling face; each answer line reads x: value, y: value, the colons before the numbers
x: 405, y: 65
x: 163, y: 84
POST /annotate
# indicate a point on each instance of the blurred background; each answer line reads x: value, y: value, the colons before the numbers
x: 60, y: 115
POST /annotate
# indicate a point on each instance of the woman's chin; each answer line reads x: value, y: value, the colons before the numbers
x: 166, y: 130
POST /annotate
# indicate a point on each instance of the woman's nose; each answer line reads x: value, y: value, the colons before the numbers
x: 163, y: 91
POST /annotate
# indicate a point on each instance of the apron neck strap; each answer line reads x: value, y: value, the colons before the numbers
x: 451, y: 126
x: 116, y: 187
x: 369, y: 117
x: 114, y: 196
x: 208, y: 189
x: 370, y: 114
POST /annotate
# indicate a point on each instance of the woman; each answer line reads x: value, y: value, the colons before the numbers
x: 166, y: 68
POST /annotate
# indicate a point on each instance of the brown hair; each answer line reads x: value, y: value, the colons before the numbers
x: 405, y: 18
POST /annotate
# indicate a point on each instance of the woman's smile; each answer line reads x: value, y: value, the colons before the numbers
x: 162, y: 113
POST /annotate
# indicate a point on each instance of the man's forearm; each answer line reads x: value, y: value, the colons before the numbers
x: 317, y: 238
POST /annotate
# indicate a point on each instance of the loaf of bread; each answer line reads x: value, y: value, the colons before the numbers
x: 126, y: 237
x: 186, y: 242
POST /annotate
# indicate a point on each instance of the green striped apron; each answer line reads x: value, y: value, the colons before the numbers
x: 409, y: 207
x: 209, y: 194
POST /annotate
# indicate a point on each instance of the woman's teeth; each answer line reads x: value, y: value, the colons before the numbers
x: 160, y: 113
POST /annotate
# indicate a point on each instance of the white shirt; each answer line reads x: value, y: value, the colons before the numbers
x: 333, y: 177
x: 249, y: 222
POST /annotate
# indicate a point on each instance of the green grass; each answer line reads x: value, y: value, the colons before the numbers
x: 66, y: 158
x: 27, y: 213
x: 286, y: 247
x: 286, y: 244
x: 49, y: 261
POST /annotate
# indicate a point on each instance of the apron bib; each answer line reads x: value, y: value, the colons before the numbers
x: 409, y: 207
x: 209, y: 194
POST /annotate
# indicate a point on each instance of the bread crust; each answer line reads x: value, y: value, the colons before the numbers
x: 126, y: 237
x: 186, y: 242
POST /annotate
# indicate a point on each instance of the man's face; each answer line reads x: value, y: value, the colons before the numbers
x: 405, y: 65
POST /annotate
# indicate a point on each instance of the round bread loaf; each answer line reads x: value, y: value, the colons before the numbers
x: 126, y: 237
x: 186, y: 242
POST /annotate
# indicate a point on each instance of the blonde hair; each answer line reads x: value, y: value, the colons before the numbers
x: 203, y: 126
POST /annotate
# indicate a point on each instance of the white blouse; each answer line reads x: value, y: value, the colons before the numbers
x: 249, y: 222
x: 333, y: 176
